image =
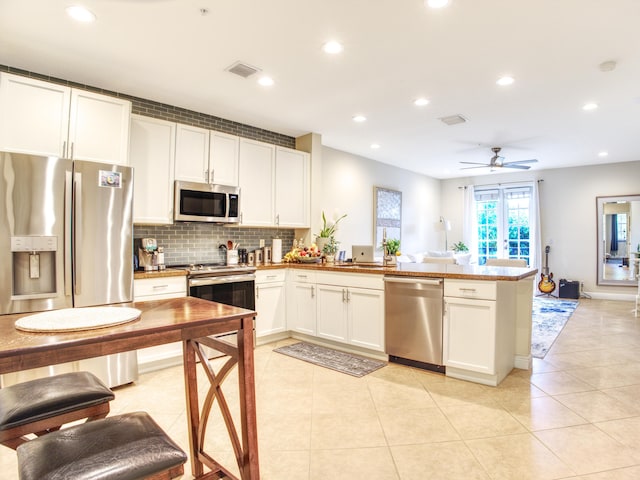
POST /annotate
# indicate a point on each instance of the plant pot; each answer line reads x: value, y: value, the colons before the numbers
x: 321, y: 242
x: 392, y: 259
x: 330, y: 258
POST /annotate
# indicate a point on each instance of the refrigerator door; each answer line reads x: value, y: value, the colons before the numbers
x: 102, y: 241
x: 35, y: 206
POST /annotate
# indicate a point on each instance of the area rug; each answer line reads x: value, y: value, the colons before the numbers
x: 549, y: 317
x: 325, y: 357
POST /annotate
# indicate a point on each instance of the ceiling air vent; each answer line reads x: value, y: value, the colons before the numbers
x: 242, y: 69
x: 453, y: 119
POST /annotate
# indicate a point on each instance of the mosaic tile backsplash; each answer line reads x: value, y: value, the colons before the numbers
x: 187, y: 243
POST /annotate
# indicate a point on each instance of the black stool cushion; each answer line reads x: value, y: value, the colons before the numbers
x: 34, y: 400
x: 124, y: 447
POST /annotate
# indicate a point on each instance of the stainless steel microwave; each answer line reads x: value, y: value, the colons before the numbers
x: 205, y: 202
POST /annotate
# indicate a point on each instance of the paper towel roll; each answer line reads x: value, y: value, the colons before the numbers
x: 276, y: 250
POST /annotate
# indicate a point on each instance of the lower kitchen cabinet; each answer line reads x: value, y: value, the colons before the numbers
x: 366, y: 318
x: 301, y: 308
x: 270, y: 303
x: 332, y: 313
x: 160, y: 288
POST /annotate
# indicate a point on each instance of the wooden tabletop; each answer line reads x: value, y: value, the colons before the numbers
x: 161, y: 321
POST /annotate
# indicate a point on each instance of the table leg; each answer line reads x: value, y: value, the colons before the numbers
x: 193, y: 411
x: 246, y: 377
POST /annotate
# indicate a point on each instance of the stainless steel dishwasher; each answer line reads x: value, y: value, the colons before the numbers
x: 413, y: 321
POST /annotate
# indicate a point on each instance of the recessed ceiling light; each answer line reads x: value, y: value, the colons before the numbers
x: 603, y: 154
x: 421, y: 102
x: 506, y: 80
x: 436, y: 3
x: 332, y: 47
x: 590, y: 106
x: 359, y: 118
x: 265, y: 81
x: 81, y: 14
x: 375, y: 146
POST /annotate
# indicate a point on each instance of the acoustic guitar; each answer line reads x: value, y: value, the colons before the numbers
x: 546, y: 284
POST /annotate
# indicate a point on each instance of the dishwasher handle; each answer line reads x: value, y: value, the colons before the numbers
x: 413, y: 280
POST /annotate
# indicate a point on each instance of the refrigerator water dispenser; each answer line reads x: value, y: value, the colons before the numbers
x: 34, y: 266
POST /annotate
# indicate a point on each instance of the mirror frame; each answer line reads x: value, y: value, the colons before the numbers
x: 600, y: 202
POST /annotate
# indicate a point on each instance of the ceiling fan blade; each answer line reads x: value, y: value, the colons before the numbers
x: 474, y: 163
x: 533, y: 160
x: 511, y: 165
x: 479, y: 166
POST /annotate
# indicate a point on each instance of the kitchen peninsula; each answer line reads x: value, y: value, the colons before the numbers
x: 189, y: 320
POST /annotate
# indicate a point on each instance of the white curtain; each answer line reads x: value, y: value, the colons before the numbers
x: 536, y: 236
x: 469, y: 222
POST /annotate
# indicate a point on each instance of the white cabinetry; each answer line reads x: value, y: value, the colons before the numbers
x: 192, y: 154
x: 160, y: 288
x: 223, y: 158
x: 152, y: 154
x: 44, y: 118
x: 479, y: 329
x: 270, y: 304
x: 350, y: 309
x: 301, y: 302
x: 257, y: 186
x: 292, y: 188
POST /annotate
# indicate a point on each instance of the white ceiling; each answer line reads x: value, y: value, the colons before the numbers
x: 394, y: 52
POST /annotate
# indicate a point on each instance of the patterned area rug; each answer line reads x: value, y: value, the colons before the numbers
x: 325, y: 357
x: 549, y: 318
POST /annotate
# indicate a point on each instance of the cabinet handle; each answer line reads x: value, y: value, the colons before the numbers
x: 257, y: 291
x: 64, y: 149
x: 278, y: 219
x: 241, y: 221
x: 468, y: 290
x: 313, y: 291
x: 211, y: 175
x: 302, y: 276
x: 344, y: 295
x: 71, y: 156
x: 160, y: 286
x: 348, y: 295
x: 271, y: 276
x: 206, y: 176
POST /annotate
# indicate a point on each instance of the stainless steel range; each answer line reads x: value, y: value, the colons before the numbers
x: 229, y: 284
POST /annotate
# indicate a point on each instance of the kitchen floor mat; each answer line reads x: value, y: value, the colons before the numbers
x: 548, y: 319
x: 348, y: 363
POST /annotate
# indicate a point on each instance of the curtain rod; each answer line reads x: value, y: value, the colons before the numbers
x: 464, y: 187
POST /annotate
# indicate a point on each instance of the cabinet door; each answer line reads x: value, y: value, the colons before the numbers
x: 99, y: 128
x: 332, y: 312
x: 223, y: 158
x: 256, y: 183
x: 366, y: 318
x: 292, y: 191
x: 270, y: 306
x: 152, y: 154
x: 301, y: 308
x: 192, y: 154
x: 34, y: 115
x: 470, y: 334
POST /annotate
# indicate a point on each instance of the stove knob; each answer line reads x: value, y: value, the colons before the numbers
x: 200, y: 267
x: 191, y: 266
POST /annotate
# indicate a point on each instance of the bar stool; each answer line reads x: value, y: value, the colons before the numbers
x: 43, y: 405
x: 123, y: 447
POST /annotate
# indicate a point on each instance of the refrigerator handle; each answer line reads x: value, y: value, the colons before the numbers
x: 77, y: 229
x: 68, y: 188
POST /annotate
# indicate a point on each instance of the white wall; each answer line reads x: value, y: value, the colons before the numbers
x: 567, y: 213
x: 346, y: 186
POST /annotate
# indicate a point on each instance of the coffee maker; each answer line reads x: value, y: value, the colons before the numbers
x: 151, y: 257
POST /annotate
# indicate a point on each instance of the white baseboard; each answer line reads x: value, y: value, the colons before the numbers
x: 522, y: 362
x: 621, y: 297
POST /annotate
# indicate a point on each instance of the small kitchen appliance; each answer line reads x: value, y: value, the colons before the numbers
x: 148, y: 253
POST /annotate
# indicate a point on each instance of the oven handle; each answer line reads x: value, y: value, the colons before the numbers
x: 199, y: 281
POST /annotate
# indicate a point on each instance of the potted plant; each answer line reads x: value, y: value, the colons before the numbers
x: 330, y: 249
x: 460, y: 247
x: 393, y: 250
x: 327, y: 231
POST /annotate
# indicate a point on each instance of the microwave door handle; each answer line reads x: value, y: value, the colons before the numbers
x: 228, y: 205
x: 77, y: 230
x: 68, y: 188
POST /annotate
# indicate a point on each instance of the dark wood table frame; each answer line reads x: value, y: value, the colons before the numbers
x: 190, y: 320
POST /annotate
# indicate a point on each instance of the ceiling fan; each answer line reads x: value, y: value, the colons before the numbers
x: 497, y: 162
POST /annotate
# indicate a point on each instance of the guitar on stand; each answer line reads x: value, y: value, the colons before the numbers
x: 546, y: 284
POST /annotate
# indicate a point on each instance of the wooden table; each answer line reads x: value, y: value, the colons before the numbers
x: 189, y: 320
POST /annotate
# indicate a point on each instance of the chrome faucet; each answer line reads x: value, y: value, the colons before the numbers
x: 385, y: 251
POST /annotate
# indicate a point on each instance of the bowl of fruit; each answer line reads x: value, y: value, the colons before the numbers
x: 304, y: 254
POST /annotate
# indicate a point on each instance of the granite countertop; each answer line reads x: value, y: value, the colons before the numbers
x: 169, y: 272
x: 425, y: 270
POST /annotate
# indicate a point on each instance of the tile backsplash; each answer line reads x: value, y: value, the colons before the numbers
x: 186, y: 243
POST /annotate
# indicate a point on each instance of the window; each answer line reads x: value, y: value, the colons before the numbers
x: 387, y: 214
x: 503, y: 216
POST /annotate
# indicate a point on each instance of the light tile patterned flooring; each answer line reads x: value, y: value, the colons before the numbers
x: 576, y: 415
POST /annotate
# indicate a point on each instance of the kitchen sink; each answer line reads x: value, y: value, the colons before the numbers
x: 359, y: 265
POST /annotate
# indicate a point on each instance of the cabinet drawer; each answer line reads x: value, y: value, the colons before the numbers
x: 270, y: 276
x: 302, y: 276
x: 149, y: 287
x: 485, y: 290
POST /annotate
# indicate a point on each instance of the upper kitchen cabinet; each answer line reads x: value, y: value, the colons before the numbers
x: 257, y: 185
x: 152, y: 154
x: 192, y: 154
x: 275, y: 185
x: 293, y: 192
x: 43, y: 118
x: 223, y: 158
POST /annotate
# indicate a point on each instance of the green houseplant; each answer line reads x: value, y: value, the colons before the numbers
x: 393, y: 246
x: 329, y: 230
x: 460, y: 247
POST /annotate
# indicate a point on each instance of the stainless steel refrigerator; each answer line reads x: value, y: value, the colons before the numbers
x: 66, y: 240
